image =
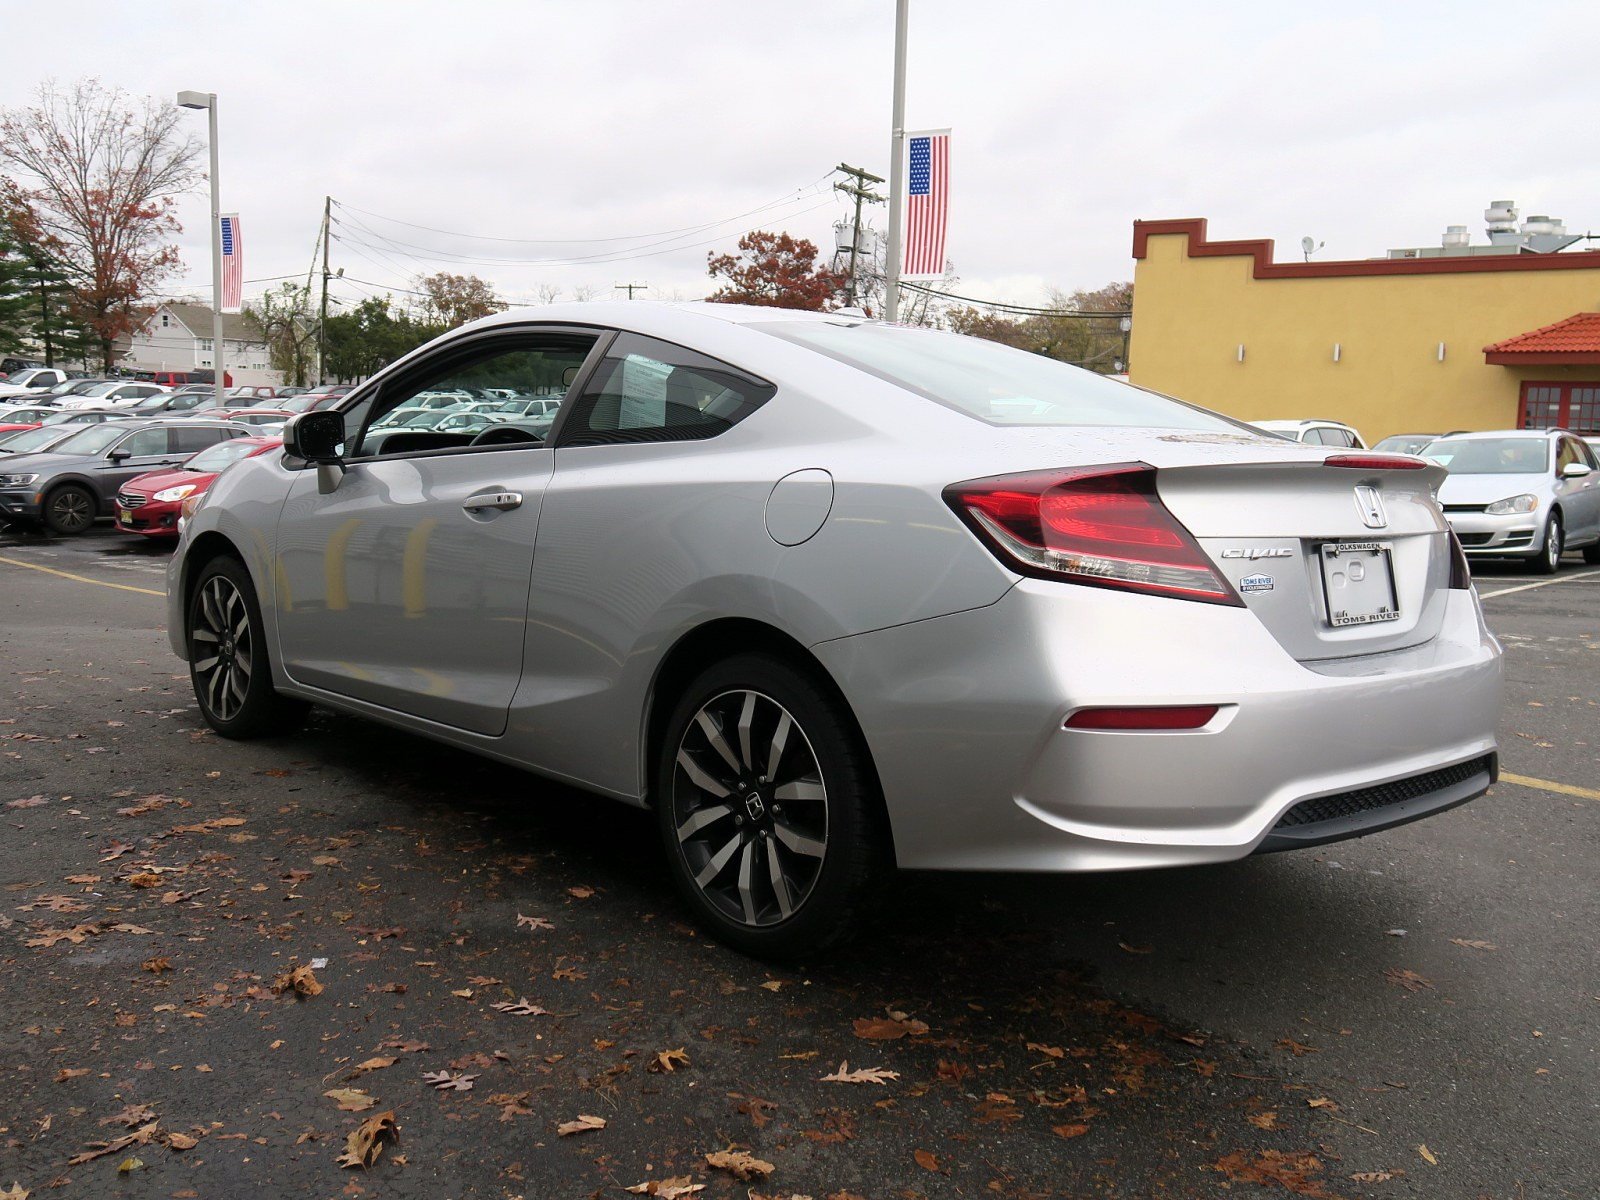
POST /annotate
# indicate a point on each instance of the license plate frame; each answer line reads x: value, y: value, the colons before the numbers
x: 125, y: 516
x: 1353, y: 593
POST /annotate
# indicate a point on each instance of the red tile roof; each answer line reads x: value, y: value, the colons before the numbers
x: 1578, y: 335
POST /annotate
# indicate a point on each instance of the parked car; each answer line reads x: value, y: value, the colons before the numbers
x: 75, y: 481
x: 1315, y: 433
x: 151, y: 504
x: 260, y: 419
x: 250, y: 393
x: 817, y: 591
x: 1404, y: 443
x: 307, y: 401
x: 22, y: 416
x: 1521, y: 493
x: 31, y: 381
x: 12, y: 364
x: 31, y: 441
x: 113, y: 394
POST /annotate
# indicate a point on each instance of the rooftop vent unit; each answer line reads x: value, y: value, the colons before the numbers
x: 1456, y: 235
x: 1501, y: 216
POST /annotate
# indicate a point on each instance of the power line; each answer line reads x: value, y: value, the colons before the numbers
x: 1020, y: 309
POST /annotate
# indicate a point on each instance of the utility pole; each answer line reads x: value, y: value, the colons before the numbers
x: 630, y: 288
x: 322, y: 319
x: 861, y: 192
x: 44, y: 316
x: 897, y: 170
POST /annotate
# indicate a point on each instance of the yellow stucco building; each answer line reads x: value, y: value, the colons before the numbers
x: 1427, y: 345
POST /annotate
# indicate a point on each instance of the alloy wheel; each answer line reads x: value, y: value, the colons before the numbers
x: 1552, y: 544
x: 222, y: 647
x: 70, y: 510
x: 750, y: 808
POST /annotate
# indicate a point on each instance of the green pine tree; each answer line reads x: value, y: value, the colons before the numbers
x: 18, y: 312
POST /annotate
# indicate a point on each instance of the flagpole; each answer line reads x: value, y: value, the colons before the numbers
x: 891, y: 302
x: 219, y: 371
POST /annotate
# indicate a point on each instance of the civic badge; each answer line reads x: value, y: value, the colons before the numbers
x: 1370, y: 505
x: 1255, y: 583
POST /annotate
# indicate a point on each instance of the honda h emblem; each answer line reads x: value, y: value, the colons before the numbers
x: 1370, y: 505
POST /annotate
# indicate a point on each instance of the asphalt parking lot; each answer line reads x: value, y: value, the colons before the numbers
x: 1416, y: 1014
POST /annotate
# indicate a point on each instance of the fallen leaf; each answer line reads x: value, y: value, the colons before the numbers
x: 860, y: 1075
x: 1296, y: 1171
x: 129, y: 1165
x: 670, y: 1060
x: 886, y: 1029
x: 740, y: 1164
x: 365, y: 1143
x: 1127, y: 949
x: 580, y: 892
x: 1427, y: 1155
x: 1375, y: 1176
x: 28, y: 802
x: 157, y: 965
x: 376, y: 1064
x: 15, y: 1192
x: 667, y: 1189
x: 1264, y: 1120
x: 351, y: 1099
x: 1296, y: 1048
x: 1410, y: 980
x: 925, y: 1160
x: 1048, y: 1051
x: 300, y: 980
x: 1322, y: 1102
x: 67, y: 1073
x: 772, y: 985
x: 139, y: 1137
x: 1473, y: 944
x: 448, y: 1081
x: 182, y: 1141
x: 463, y: 993
x: 533, y: 922
x: 75, y: 935
x: 1069, y: 1131
x: 133, y: 1114
x: 521, y: 1007
x: 583, y: 1124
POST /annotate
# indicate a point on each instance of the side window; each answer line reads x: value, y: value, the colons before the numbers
x: 1314, y: 437
x: 420, y: 411
x: 1568, y: 452
x: 650, y: 391
x: 1341, y: 437
x: 145, y: 443
x: 192, y: 441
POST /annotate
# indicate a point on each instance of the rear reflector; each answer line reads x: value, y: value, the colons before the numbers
x: 1101, y: 526
x: 1187, y: 717
x: 1375, y: 462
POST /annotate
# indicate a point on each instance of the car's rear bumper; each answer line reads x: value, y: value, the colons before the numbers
x: 965, y: 714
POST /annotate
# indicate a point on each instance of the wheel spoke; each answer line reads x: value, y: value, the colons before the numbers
x: 236, y: 681
x: 798, y: 842
x: 780, y: 739
x: 205, y: 664
x: 697, y: 773
x: 708, y: 815
x: 718, y: 860
x: 205, y: 635
x: 747, y: 716
x: 717, y: 741
x: 800, y: 789
x: 747, y: 898
x: 208, y: 606
x: 241, y: 659
x: 780, y: 885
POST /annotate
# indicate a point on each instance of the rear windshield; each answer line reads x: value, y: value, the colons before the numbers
x: 1491, y: 456
x: 996, y: 384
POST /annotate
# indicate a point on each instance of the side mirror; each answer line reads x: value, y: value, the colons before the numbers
x: 317, y: 437
x: 1575, y: 470
x: 121, y: 455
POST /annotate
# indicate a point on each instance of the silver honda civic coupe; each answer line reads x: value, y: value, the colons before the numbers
x: 831, y: 595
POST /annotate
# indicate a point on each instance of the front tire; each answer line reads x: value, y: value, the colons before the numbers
x: 69, y: 510
x: 768, y: 809
x: 228, y: 657
x: 1548, y: 560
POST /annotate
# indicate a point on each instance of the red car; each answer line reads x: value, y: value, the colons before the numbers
x: 16, y: 417
x: 150, y: 504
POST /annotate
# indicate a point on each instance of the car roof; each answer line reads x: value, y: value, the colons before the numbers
x: 1480, y: 434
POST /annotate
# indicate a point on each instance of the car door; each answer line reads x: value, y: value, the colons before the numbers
x: 140, y: 451
x: 406, y: 586
x: 1580, y: 497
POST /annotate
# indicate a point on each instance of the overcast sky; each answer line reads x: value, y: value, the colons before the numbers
x: 1367, y: 126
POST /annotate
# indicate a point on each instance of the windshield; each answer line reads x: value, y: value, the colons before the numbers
x: 220, y: 455
x: 1404, y: 443
x: 99, y: 389
x: 93, y: 439
x: 1491, y: 456
x: 32, y: 439
x: 990, y: 382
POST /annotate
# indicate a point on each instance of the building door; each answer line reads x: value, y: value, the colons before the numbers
x: 1574, y: 406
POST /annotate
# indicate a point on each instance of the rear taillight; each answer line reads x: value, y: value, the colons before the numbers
x: 1102, y: 526
x: 1460, y: 573
x: 1190, y: 716
x: 1375, y: 462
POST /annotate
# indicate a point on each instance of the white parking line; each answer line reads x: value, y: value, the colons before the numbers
x: 1542, y: 583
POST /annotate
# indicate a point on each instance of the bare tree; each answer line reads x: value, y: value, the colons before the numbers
x: 549, y: 293
x: 583, y: 293
x: 94, y: 175
x: 289, y: 328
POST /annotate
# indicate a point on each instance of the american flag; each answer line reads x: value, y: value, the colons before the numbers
x: 927, y: 204
x: 232, y: 263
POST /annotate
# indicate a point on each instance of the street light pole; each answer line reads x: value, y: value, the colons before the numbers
x: 208, y: 101
x: 891, y: 299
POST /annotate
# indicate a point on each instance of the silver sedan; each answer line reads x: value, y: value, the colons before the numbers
x: 830, y: 595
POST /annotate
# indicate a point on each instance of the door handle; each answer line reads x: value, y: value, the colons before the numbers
x: 485, y: 500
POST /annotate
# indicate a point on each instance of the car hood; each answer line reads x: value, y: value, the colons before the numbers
x: 156, y: 481
x: 1486, y: 489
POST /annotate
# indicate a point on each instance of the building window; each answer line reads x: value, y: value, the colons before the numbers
x: 165, y: 320
x: 1574, y: 406
x: 206, y: 344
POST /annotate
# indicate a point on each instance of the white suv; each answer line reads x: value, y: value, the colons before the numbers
x: 1316, y: 433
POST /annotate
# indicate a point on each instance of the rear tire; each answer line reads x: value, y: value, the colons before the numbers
x: 1591, y: 555
x: 228, y: 657
x: 1548, y: 560
x: 69, y: 510
x: 768, y: 809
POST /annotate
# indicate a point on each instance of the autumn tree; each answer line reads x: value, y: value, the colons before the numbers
x: 1063, y: 331
x: 776, y: 270
x: 451, y: 300
x: 289, y: 328
x: 93, y: 177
